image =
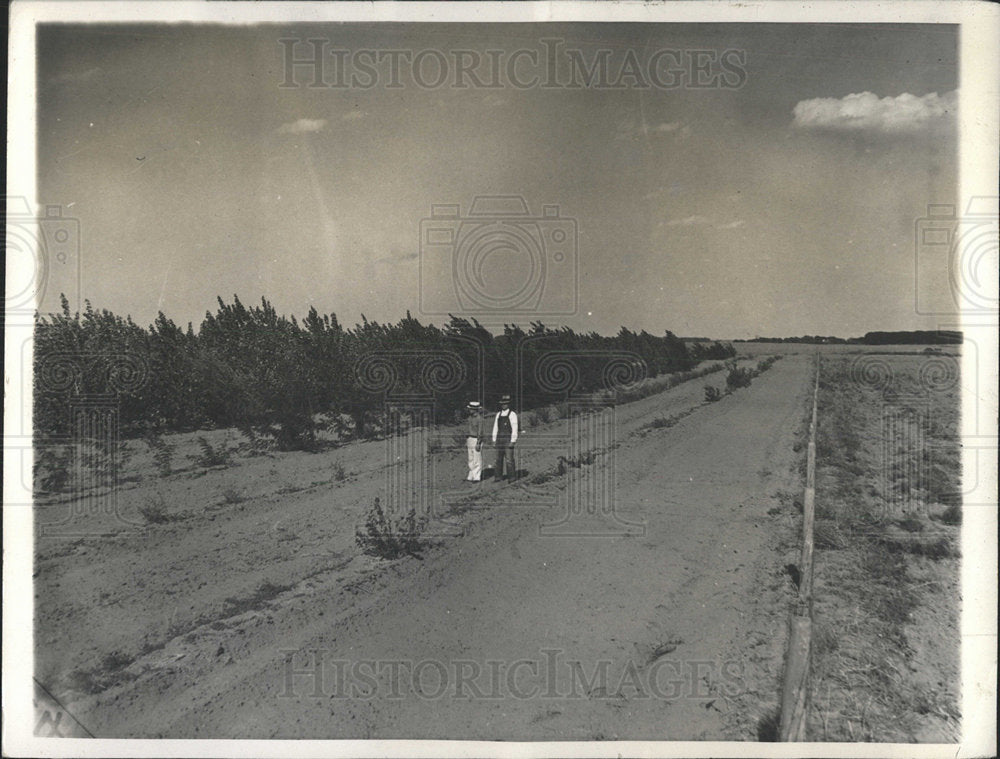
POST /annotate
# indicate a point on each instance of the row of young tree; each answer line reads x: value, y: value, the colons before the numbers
x: 276, y: 377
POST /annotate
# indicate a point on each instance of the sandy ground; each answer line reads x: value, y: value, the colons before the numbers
x: 659, y: 565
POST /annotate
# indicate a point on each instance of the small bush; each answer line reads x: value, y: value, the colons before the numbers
x: 390, y: 539
x: 211, y: 456
x: 233, y: 496
x: 163, y: 454
x: 952, y: 515
x: 543, y: 415
x: 911, y: 524
x: 712, y: 394
x: 258, y: 445
x: 154, y: 510
x: 338, y: 472
x: 768, y: 726
x: 52, y: 467
x: 827, y: 535
x: 764, y: 364
x: 738, y: 377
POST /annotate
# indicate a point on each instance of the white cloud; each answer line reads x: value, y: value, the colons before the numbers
x: 865, y: 111
x: 732, y: 225
x: 302, y: 126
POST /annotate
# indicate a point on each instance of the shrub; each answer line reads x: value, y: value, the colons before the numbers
x: 543, y: 415
x: 233, y: 496
x: 212, y: 456
x: 163, y: 454
x: 52, y: 467
x: 390, y: 539
x: 154, y: 510
x: 338, y: 472
x: 712, y: 394
x: 738, y: 377
x: 764, y: 364
x: 952, y: 515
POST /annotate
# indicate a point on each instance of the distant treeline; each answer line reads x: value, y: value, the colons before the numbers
x: 913, y: 337
x: 274, y: 376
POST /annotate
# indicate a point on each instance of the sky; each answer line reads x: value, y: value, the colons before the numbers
x: 780, y: 200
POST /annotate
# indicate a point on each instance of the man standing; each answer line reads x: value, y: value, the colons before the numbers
x: 504, y: 437
x: 474, y: 441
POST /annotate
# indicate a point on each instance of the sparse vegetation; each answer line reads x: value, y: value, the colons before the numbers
x: 737, y: 377
x: 154, y: 510
x: 213, y: 455
x: 163, y: 453
x: 109, y: 672
x: 52, y: 467
x: 952, y: 515
x: 390, y: 539
x: 712, y: 394
x: 232, y: 496
x: 264, y: 592
x: 881, y: 557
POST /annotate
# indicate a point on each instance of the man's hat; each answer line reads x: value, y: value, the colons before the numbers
x: 473, y: 404
x: 505, y: 399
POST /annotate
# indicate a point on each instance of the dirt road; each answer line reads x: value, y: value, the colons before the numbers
x: 661, y: 615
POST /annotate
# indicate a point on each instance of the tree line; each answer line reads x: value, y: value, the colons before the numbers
x: 907, y: 337
x: 282, y: 380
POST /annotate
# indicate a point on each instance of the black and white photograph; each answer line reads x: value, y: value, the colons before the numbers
x: 501, y: 379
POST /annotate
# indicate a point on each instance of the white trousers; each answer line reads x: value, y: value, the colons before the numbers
x: 475, y: 460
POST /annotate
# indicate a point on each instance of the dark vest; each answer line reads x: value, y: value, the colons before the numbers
x: 503, y: 427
